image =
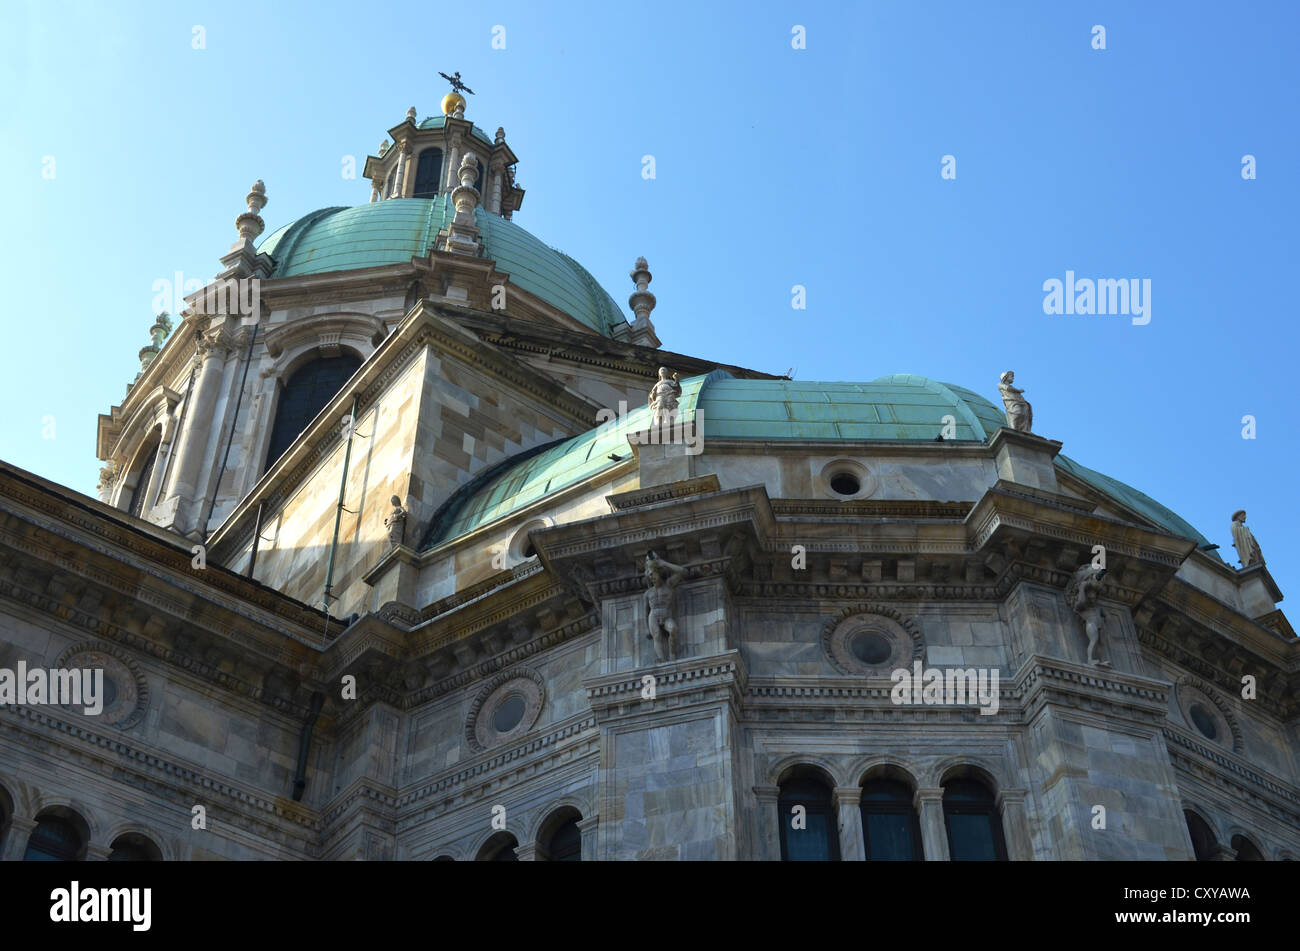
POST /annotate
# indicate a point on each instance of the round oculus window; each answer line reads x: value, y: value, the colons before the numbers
x: 509, y: 713
x: 871, y: 648
x: 845, y: 483
x: 1204, y: 721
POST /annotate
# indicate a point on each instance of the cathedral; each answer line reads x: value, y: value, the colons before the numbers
x: 411, y: 544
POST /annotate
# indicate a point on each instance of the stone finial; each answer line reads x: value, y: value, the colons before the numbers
x: 1081, y: 595
x: 250, y: 223
x: 396, y: 522
x: 1243, y: 539
x: 662, y: 579
x: 410, y: 114
x: 664, y: 396
x: 383, y: 147
x: 1020, y: 415
x: 501, y: 135
x: 641, y: 301
x: 162, y: 326
x: 459, y: 112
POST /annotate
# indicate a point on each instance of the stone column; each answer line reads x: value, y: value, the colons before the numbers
x: 1015, y: 825
x: 498, y: 173
x: 527, y: 852
x: 96, y: 852
x: 769, y: 828
x: 407, y: 184
x: 199, y: 419
x: 16, y: 836
x: 588, y: 829
x: 1223, y: 853
x: 934, y: 834
x: 847, y: 800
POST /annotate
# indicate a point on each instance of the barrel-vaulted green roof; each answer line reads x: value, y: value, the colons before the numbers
x: 396, y: 230
x: 902, y: 407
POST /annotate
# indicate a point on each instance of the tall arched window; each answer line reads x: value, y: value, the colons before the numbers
x: 500, y: 848
x: 1203, y: 843
x: 890, y: 829
x: 56, y: 838
x: 974, y: 829
x: 133, y: 847
x: 562, y: 842
x: 1246, y: 851
x: 428, y: 172
x: 304, y: 395
x: 810, y: 833
x: 141, y: 489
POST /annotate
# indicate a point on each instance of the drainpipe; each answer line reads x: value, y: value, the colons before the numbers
x: 338, y: 512
x: 257, y: 537
x: 304, y: 745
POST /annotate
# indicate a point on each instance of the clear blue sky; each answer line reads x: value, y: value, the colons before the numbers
x: 775, y: 167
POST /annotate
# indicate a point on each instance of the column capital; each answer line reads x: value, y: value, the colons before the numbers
x: 846, y: 795
x: 97, y: 853
x: 527, y: 853
x: 588, y: 823
x: 934, y: 794
x: 1014, y: 797
x: 767, y: 794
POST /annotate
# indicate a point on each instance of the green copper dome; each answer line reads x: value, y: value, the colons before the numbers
x: 394, y: 231
x: 901, y: 408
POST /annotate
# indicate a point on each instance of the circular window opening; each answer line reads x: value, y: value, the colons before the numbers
x: 1203, y: 720
x: 110, y: 692
x: 845, y: 483
x: 871, y: 648
x: 509, y: 714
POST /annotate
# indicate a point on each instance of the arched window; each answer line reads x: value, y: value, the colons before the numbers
x: 500, y: 848
x: 1246, y: 851
x: 891, y: 831
x: 6, y: 810
x: 141, y: 489
x: 304, y: 395
x: 56, y: 838
x: 1203, y: 843
x: 428, y: 171
x: 566, y: 843
x: 810, y: 833
x: 133, y: 847
x: 974, y: 829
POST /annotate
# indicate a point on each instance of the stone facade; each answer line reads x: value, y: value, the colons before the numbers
x: 324, y: 691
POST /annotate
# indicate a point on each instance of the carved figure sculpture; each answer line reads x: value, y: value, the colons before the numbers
x: 664, y: 396
x: 1244, y: 541
x: 396, y: 522
x: 662, y: 578
x: 1081, y: 595
x: 1020, y: 415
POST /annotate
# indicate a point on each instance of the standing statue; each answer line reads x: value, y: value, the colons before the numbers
x: 664, y: 396
x: 1244, y: 541
x: 1020, y: 415
x: 660, y: 599
x: 1081, y: 595
x: 396, y: 522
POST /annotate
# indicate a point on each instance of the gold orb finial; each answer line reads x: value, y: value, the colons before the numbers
x: 451, y: 101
